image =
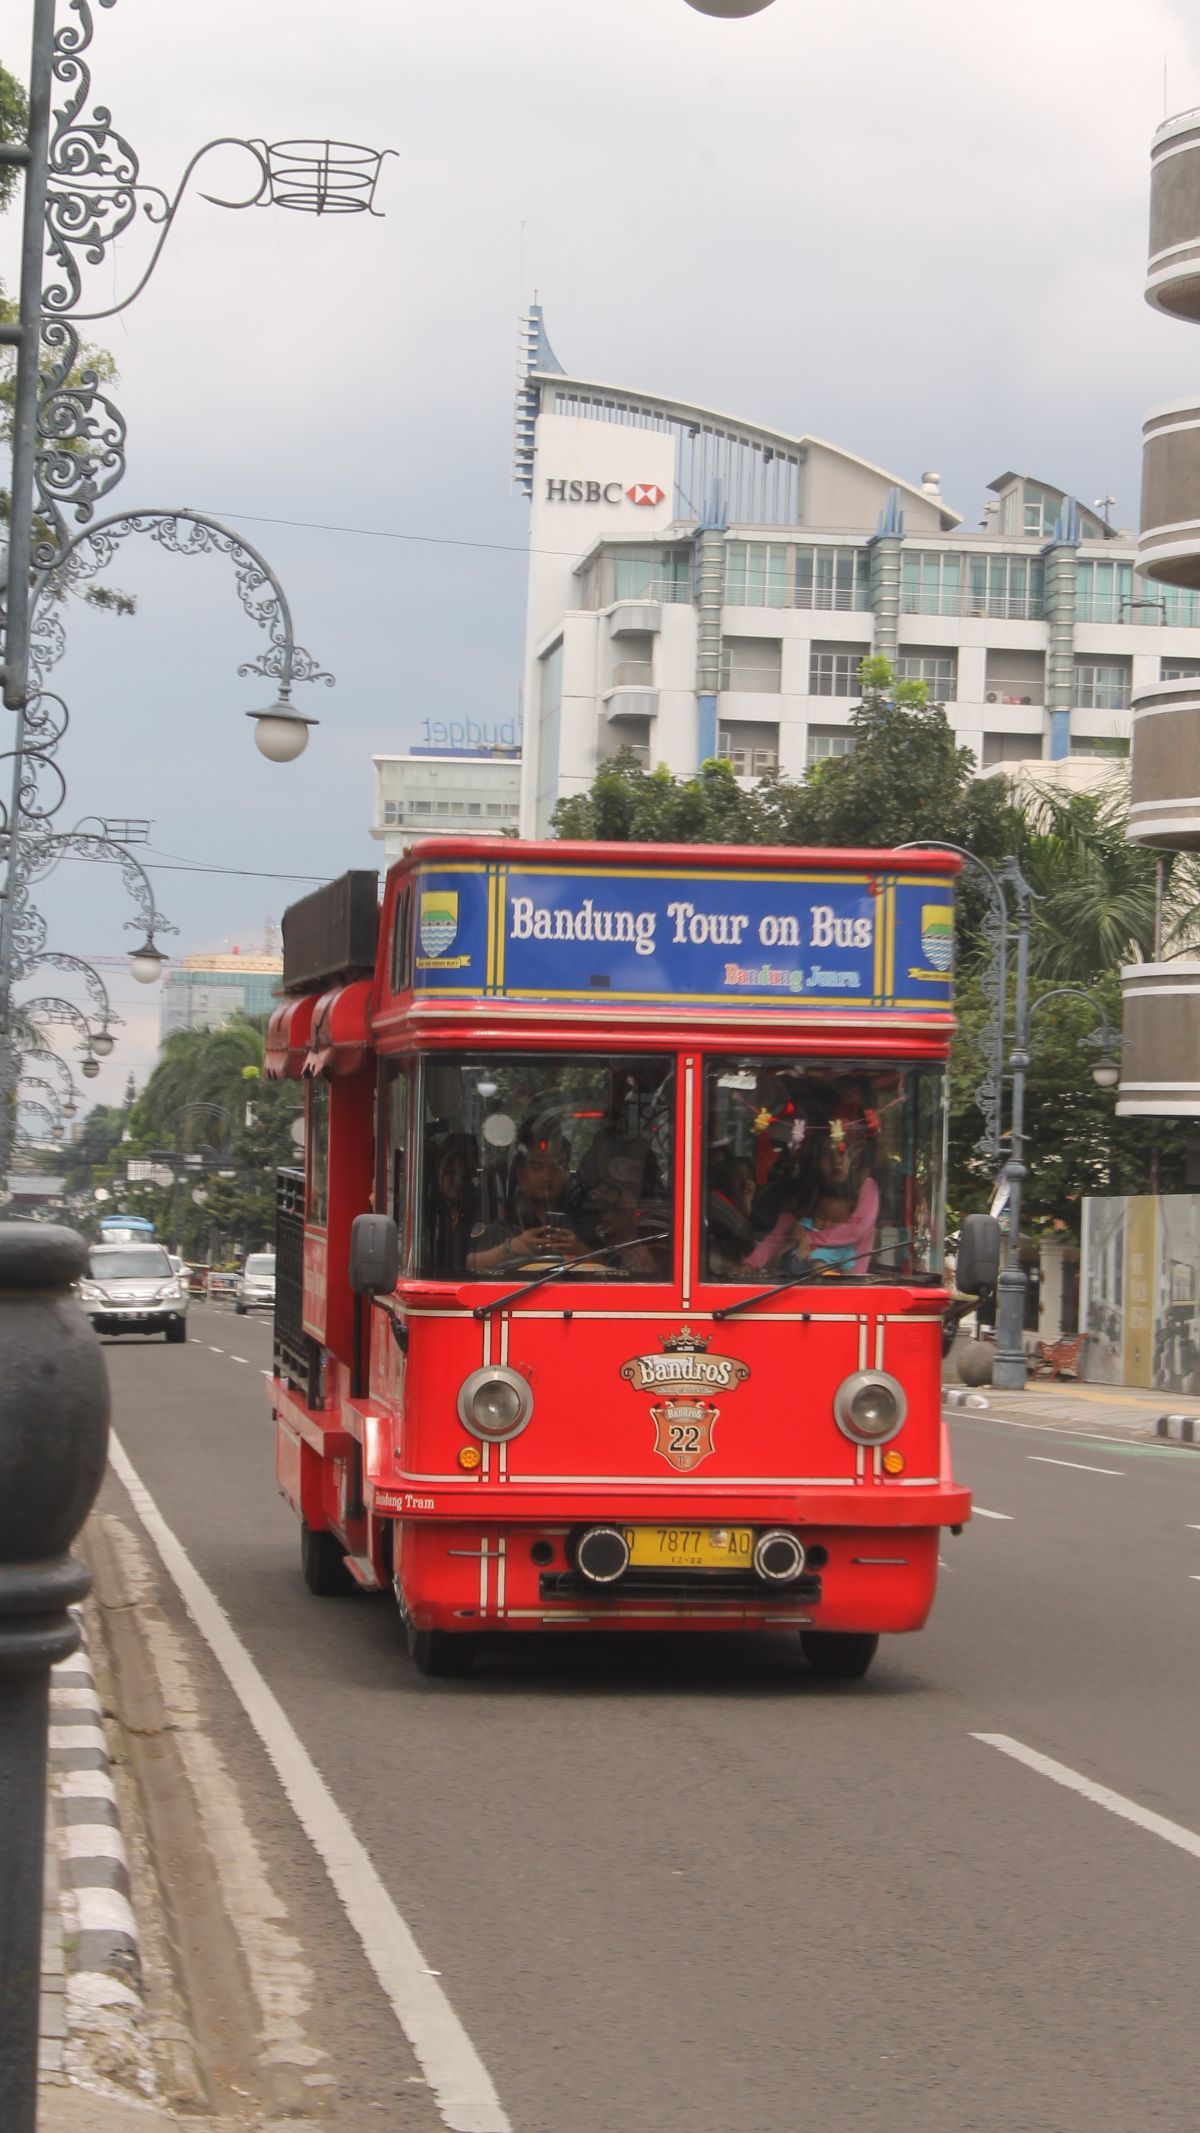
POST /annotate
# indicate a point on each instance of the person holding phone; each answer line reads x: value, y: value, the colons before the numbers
x: 535, y: 1225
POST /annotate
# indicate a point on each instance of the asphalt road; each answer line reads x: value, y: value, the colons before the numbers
x: 680, y: 1885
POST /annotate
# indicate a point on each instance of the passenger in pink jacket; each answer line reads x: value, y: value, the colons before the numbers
x: 836, y: 1228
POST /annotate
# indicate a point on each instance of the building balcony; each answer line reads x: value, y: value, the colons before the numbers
x: 1173, y: 268
x: 633, y: 674
x: 1169, y: 543
x: 630, y: 703
x: 1014, y: 689
x: 635, y: 618
x: 1162, y: 1040
x: 1164, y: 801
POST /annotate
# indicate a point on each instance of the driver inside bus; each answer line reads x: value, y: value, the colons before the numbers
x: 533, y: 1224
x: 621, y: 1204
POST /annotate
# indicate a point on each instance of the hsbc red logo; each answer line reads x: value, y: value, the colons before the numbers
x: 602, y: 492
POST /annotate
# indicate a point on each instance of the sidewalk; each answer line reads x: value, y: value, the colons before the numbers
x: 1073, y: 1404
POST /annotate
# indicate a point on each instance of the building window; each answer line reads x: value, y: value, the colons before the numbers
x: 756, y: 574
x: 422, y: 807
x: 1010, y: 587
x: 835, y: 673
x: 834, y: 578
x: 826, y: 741
x: 938, y: 671
x: 751, y: 664
x: 1179, y: 669
x: 1010, y: 748
x: 751, y: 750
x: 1100, y: 745
x: 1101, y: 688
x: 636, y: 574
x: 930, y: 583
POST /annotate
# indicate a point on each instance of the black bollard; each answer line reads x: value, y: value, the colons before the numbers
x: 53, y: 1448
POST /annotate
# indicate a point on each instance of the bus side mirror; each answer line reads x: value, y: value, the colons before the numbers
x: 978, y: 1263
x: 374, y: 1255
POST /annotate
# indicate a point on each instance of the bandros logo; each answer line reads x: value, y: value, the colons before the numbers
x: 439, y: 920
x: 937, y: 935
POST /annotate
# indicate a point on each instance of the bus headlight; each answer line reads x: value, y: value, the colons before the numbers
x: 869, y: 1407
x: 494, y: 1403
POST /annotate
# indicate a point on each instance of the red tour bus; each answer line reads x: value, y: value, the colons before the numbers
x: 612, y: 1294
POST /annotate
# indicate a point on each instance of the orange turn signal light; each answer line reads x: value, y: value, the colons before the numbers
x: 893, y: 1462
x: 470, y: 1456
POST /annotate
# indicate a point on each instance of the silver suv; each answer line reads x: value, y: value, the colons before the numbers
x: 256, y: 1284
x: 133, y: 1288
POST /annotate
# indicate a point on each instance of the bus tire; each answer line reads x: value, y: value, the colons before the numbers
x: 439, y: 1652
x: 323, y: 1563
x: 839, y: 1655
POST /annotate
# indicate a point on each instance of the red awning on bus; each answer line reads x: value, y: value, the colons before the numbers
x: 340, y: 1033
x: 288, y: 1034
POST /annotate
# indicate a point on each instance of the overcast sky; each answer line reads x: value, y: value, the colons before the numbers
x: 914, y: 227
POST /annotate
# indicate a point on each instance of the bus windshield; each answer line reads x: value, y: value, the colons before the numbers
x: 822, y: 1168
x: 531, y: 1160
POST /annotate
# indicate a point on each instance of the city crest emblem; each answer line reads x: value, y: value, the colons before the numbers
x: 937, y: 935
x: 439, y: 920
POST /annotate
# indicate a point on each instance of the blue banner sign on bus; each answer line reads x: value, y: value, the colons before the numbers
x: 571, y: 933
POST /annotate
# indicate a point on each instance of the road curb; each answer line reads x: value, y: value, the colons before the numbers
x: 1181, y: 1429
x: 104, y: 1957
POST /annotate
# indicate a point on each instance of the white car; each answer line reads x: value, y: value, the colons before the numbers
x: 256, y: 1284
x: 133, y: 1288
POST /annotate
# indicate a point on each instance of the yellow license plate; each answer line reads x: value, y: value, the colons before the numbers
x: 690, y: 1547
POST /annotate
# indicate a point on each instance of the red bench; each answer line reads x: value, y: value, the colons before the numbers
x: 1058, y: 1359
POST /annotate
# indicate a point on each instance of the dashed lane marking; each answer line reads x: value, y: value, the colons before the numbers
x: 977, y: 1511
x: 1186, y: 1840
x: 238, y: 1358
x: 1077, y: 1465
x: 216, y: 1351
x: 460, y: 2083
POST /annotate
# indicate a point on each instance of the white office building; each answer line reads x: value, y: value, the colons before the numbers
x: 700, y: 585
x: 452, y: 792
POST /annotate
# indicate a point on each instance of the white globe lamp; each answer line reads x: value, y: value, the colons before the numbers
x: 90, y: 1069
x: 729, y: 10
x: 146, y: 963
x: 281, y: 732
x: 102, y: 1043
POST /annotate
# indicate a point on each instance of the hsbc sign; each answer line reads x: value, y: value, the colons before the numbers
x: 603, y: 492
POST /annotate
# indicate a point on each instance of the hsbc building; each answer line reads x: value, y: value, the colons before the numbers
x: 701, y: 586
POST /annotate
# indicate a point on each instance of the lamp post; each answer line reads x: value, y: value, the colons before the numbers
x: 83, y: 192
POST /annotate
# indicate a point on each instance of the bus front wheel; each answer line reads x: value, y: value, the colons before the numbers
x: 839, y: 1655
x: 439, y: 1651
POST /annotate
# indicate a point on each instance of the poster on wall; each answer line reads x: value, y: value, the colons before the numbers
x: 1102, y: 1288
x: 1140, y: 1289
x: 1176, y: 1355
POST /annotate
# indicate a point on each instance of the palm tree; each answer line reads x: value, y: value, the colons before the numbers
x: 1099, y: 892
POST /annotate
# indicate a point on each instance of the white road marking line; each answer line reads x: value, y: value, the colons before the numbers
x: 1116, y: 1802
x: 266, y: 1373
x: 216, y: 1351
x: 1039, y: 1429
x: 462, y: 2086
x: 239, y: 1358
x: 1040, y: 1458
x: 977, y: 1511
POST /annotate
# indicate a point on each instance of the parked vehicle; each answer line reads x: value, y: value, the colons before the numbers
x: 644, y: 1331
x: 256, y: 1284
x: 133, y: 1288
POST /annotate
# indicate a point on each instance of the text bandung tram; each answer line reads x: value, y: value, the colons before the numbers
x: 612, y: 1295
